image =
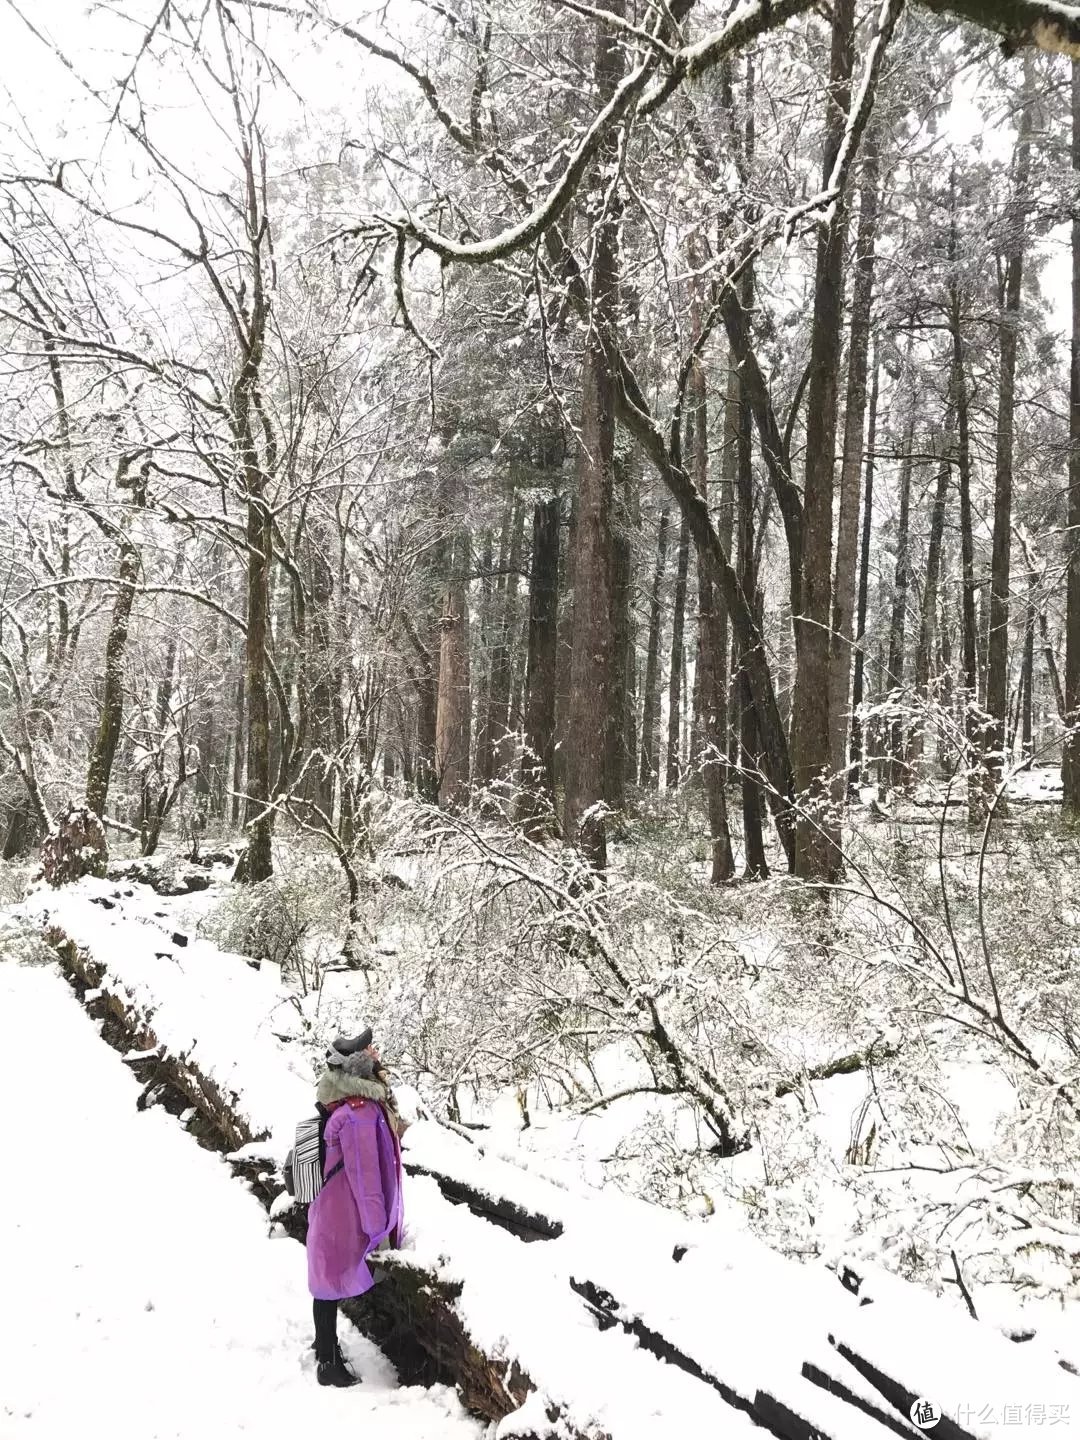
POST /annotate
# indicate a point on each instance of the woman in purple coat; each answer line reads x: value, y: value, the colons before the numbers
x: 359, y: 1205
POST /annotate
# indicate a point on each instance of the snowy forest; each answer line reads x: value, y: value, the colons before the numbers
x: 550, y: 528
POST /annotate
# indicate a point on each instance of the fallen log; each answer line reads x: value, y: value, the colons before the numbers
x: 852, y: 1375
x: 444, y: 1311
x: 527, y: 1225
x: 621, y: 1310
x: 165, y: 877
x: 878, y: 1050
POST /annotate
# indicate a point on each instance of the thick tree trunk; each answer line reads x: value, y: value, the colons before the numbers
x: 673, y: 766
x: 591, y: 661
x: 817, y: 852
x: 997, y: 661
x: 536, y: 797
x: 859, y: 671
x: 847, y: 530
x: 1070, y: 756
x: 591, y: 650
x: 649, y: 767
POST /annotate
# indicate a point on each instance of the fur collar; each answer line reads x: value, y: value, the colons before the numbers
x: 336, y: 1085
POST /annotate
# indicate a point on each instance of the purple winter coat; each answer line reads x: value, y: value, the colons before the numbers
x: 359, y: 1206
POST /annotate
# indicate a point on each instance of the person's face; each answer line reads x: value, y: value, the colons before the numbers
x: 373, y: 1051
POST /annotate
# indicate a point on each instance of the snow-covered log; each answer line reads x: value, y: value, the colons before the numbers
x: 618, y: 1314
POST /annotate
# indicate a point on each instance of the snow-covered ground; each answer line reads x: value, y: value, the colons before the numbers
x: 141, y: 1294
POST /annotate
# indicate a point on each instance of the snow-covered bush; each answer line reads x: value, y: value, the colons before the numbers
x: 292, y: 920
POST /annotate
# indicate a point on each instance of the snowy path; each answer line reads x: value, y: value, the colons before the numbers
x: 140, y: 1295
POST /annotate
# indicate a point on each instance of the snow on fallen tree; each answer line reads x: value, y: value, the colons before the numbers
x: 620, y: 1320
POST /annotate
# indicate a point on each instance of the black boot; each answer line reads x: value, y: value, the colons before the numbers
x: 334, y: 1372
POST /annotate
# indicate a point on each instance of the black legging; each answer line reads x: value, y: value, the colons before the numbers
x: 325, y: 1312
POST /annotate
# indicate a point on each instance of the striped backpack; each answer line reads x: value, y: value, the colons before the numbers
x: 303, y: 1169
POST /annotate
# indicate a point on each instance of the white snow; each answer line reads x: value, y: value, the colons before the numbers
x: 743, y: 1313
x: 142, y: 1297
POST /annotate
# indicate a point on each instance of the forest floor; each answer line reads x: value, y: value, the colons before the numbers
x: 143, y: 1297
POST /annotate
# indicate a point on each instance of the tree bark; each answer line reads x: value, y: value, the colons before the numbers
x: 924, y: 649
x: 1027, y: 681
x: 968, y: 696
x: 756, y: 865
x: 484, y: 755
x: 997, y: 661
x: 847, y: 530
x: 258, y: 864
x: 649, y: 767
x: 817, y: 852
x: 897, y: 631
x: 712, y: 650
x: 536, y: 797
x: 617, y: 759
x: 859, y: 671
x: 673, y: 768
x: 452, y: 722
x: 103, y: 751
x: 591, y: 660
x: 503, y: 722
x: 1070, y: 754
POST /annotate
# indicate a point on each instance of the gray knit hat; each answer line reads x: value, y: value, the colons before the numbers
x: 343, y: 1050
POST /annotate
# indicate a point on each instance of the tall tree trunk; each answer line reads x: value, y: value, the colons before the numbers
x: 968, y: 696
x: 258, y: 861
x: 649, y: 768
x: 676, y: 688
x: 567, y: 546
x: 536, y: 796
x: 817, y: 853
x: 99, y: 769
x: 156, y: 791
x: 484, y: 757
x: 317, y: 666
x: 208, y: 778
x: 712, y: 649
x: 452, y: 722
x: 997, y: 663
x: 239, y: 731
x: 617, y: 756
x: 502, y: 721
x: 1070, y: 755
x: 755, y: 863
x: 632, y: 490
x: 924, y: 649
x: 859, y: 671
x: 591, y: 675
x: 897, y: 632
x: 847, y: 530
x: 1027, y: 683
